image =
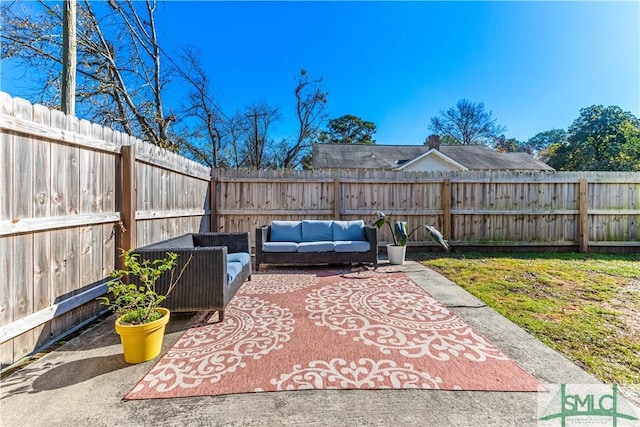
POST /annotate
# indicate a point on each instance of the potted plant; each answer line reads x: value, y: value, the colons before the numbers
x: 400, y: 234
x: 141, y: 321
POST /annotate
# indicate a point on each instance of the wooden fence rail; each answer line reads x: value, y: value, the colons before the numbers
x: 575, y: 210
x: 73, y: 193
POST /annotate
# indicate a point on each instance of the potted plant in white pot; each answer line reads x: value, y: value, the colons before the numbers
x: 400, y: 234
x: 141, y: 321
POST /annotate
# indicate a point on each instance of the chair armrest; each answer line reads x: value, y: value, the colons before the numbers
x: 235, y: 242
x: 262, y: 234
x: 371, y: 234
x: 216, y: 255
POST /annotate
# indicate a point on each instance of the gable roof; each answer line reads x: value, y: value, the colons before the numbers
x: 433, y: 153
x: 472, y: 157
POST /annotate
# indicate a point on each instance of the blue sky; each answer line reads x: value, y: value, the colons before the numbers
x: 533, y: 64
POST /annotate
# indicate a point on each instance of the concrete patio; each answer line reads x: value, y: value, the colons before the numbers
x: 83, y: 382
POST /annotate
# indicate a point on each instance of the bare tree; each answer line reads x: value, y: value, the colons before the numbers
x: 122, y: 79
x: 208, y: 125
x: 311, y: 105
x: 259, y: 118
x: 467, y: 123
x: 119, y: 62
x: 235, y: 147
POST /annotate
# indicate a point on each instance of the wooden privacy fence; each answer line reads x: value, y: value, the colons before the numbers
x: 575, y: 210
x: 74, y: 192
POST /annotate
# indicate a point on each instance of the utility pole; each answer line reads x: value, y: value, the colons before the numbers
x: 68, y: 101
x: 256, y: 145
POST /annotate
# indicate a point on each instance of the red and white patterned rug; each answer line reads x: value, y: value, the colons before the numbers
x: 331, y: 329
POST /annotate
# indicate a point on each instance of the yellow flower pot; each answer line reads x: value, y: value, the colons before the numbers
x: 142, y: 342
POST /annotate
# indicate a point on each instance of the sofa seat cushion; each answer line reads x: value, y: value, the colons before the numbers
x: 233, y: 269
x: 286, y: 231
x: 280, y: 247
x: 348, y: 230
x: 241, y: 257
x: 352, y: 246
x: 317, y: 231
x: 322, y: 246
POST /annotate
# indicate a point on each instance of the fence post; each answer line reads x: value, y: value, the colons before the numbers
x: 128, y: 194
x: 337, y: 197
x: 583, y: 216
x: 213, y: 208
x: 445, y: 195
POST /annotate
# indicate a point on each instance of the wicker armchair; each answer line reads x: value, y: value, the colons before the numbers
x: 204, y: 284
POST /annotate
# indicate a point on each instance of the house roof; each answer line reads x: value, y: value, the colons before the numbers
x: 472, y: 157
x: 431, y: 154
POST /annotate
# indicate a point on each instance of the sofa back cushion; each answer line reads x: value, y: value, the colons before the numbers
x: 348, y: 230
x: 317, y: 231
x: 286, y: 231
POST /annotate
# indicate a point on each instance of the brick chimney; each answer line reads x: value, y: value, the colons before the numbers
x: 434, y: 142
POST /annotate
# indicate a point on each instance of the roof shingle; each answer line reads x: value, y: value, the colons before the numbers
x: 474, y: 157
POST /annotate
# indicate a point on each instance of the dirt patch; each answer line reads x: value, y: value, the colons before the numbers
x: 627, y: 303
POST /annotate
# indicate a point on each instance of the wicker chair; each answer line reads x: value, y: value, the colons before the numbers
x: 204, y: 284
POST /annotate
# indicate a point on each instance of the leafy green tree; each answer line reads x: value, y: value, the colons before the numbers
x: 543, y: 140
x: 549, y: 143
x: 348, y: 129
x: 502, y: 144
x: 444, y: 140
x: 447, y: 140
x: 467, y: 123
x: 557, y: 156
x: 630, y: 151
x: 600, y: 139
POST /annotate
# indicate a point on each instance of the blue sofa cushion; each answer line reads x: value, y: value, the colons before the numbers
x: 241, y: 257
x: 352, y: 246
x: 233, y: 268
x: 280, y: 247
x: 286, y: 231
x: 348, y: 230
x: 316, y: 246
x: 317, y: 231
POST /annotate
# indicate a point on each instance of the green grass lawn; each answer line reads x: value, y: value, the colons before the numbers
x: 585, y: 306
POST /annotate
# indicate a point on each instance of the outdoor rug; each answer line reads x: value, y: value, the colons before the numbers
x: 330, y: 329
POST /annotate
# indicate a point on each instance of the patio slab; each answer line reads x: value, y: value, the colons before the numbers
x: 83, y: 382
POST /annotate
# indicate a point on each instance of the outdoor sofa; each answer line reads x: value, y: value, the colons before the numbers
x: 218, y: 263
x: 309, y: 242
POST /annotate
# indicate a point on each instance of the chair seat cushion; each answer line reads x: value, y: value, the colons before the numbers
x: 279, y: 247
x: 241, y: 257
x: 233, y: 269
x: 352, y: 246
x: 322, y: 246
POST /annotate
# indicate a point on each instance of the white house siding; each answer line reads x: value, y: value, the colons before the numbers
x: 431, y: 163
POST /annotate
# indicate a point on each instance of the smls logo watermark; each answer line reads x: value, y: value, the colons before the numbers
x: 586, y: 404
